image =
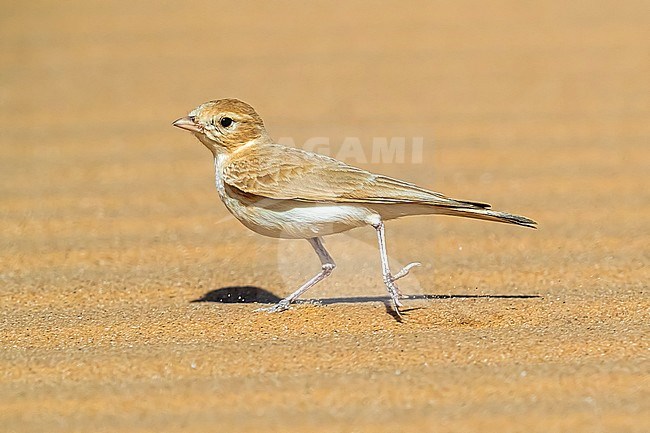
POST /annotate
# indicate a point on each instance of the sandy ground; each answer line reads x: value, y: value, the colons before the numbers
x: 110, y: 228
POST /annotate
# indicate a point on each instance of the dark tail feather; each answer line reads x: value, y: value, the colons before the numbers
x: 490, y: 215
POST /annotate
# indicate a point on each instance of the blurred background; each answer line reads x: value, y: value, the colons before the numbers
x: 540, y: 108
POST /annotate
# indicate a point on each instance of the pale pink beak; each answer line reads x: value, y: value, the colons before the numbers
x: 188, y: 124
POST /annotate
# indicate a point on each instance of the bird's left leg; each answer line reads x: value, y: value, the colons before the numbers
x: 389, y: 278
x: 327, y: 266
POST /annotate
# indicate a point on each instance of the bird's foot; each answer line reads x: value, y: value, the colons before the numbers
x: 404, y: 271
x: 280, y: 306
x: 393, y: 290
x: 395, y: 295
x: 390, y: 279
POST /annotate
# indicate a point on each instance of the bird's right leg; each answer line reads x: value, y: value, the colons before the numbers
x: 327, y: 266
x: 389, y: 278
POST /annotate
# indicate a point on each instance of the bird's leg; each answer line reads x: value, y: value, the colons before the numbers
x: 389, y: 278
x: 327, y: 266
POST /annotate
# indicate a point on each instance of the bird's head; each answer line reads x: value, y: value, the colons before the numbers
x: 224, y: 125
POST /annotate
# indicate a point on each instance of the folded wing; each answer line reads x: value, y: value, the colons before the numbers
x: 279, y: 172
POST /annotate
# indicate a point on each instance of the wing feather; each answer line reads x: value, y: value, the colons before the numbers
x: 286, y: 173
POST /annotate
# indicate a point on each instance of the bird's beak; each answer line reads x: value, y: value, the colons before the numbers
x: 187, y: 123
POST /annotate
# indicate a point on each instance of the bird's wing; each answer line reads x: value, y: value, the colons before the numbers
x: 283, y: 173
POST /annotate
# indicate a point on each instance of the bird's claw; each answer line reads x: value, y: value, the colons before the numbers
x: 405, y: 271
x: 276, y: 308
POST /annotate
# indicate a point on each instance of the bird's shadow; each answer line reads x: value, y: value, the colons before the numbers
x: 253, y: 294
x: 239, y: 295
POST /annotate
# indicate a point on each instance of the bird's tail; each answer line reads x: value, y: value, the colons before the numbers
x: 489, y: 215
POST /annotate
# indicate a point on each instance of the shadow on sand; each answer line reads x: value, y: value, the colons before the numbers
x: 253, y: 294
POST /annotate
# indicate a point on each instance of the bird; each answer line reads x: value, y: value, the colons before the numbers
x: 286, y: 192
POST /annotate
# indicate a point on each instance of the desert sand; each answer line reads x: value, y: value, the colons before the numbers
x: 127, y: 293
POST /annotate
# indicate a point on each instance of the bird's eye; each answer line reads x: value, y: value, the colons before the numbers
x: 226, y: 122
